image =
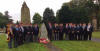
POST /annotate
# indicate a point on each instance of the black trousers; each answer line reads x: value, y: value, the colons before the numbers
x: 15, y: 42
x: 27, y: 38
x: 24, y: 35
x: 79, y: 36
x: 76, y: 36
x: 35, y: 37
x: 31, y: 37
x: 20, y: 39
x: 61, y: 35
x: 71, y: 36
x: 67, y: 36
x: 85, y: 36
x: 56, y: 36
x: 50, y: 35
x: 89, y: 35
x: 10, y: 43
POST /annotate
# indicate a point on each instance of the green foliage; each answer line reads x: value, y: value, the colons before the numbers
x: 37, y: 18
x: 71, y: 13
x: 94, y: 10
x: 64, y: 14
x: 17, y: 22
x: 78, y: 11
x: 3, y: 20
x: 48, y: 16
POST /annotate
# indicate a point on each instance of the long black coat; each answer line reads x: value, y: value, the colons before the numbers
x: 56, y: 29
x: 36, y: 30
x: 84, y: 31
x: 49, y: 30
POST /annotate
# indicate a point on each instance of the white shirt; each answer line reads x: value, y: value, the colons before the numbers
x: 88, y: 27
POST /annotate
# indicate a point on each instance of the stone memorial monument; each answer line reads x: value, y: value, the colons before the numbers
x: 43, y: 31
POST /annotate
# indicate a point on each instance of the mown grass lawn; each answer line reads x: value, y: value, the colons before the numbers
x: 96, y: 35
x: 25, y: 47
x: 77, y: 45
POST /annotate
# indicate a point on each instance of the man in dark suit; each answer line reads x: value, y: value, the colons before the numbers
x: 28, y: 34
x: 61, y: 31
x: 15, y: 32
x: 36, y: 32
x: 25, y: 33
x: 84, y: 32
x: 70, y: 31
x: 73, y: 33
x: 22, y: 33
x: 56, y: 31
x: 89, y: 31
x: 66, y: 30
x: 31, y: 32
x: 49, y: 30
x: 77, y: 31
x: 80, y: 35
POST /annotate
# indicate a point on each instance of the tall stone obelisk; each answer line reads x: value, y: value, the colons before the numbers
x: 25, y: 14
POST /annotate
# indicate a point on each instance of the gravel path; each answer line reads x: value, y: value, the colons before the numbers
x: 96, y: 39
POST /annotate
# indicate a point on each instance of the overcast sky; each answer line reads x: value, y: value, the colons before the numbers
x: 14, y: 6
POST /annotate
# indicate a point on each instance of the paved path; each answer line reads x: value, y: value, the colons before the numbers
x: 96, y: 39
x: 52, y: 47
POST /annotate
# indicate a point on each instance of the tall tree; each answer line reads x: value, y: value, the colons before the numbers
x: 94, y: 8
x: 70, y: 12
x: 8, y: 16
x: 4, y: 19
x: 64, y: 14
x: 37, y: 18
x: 48, y: 15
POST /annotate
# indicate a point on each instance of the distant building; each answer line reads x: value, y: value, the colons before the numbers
x: 25, y: 14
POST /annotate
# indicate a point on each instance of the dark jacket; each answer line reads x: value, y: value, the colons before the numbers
x: 56, y: 29
x: 36, y: 30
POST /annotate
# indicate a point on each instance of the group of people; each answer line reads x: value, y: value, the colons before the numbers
x: 72, y: 31
x: 20, y: 34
